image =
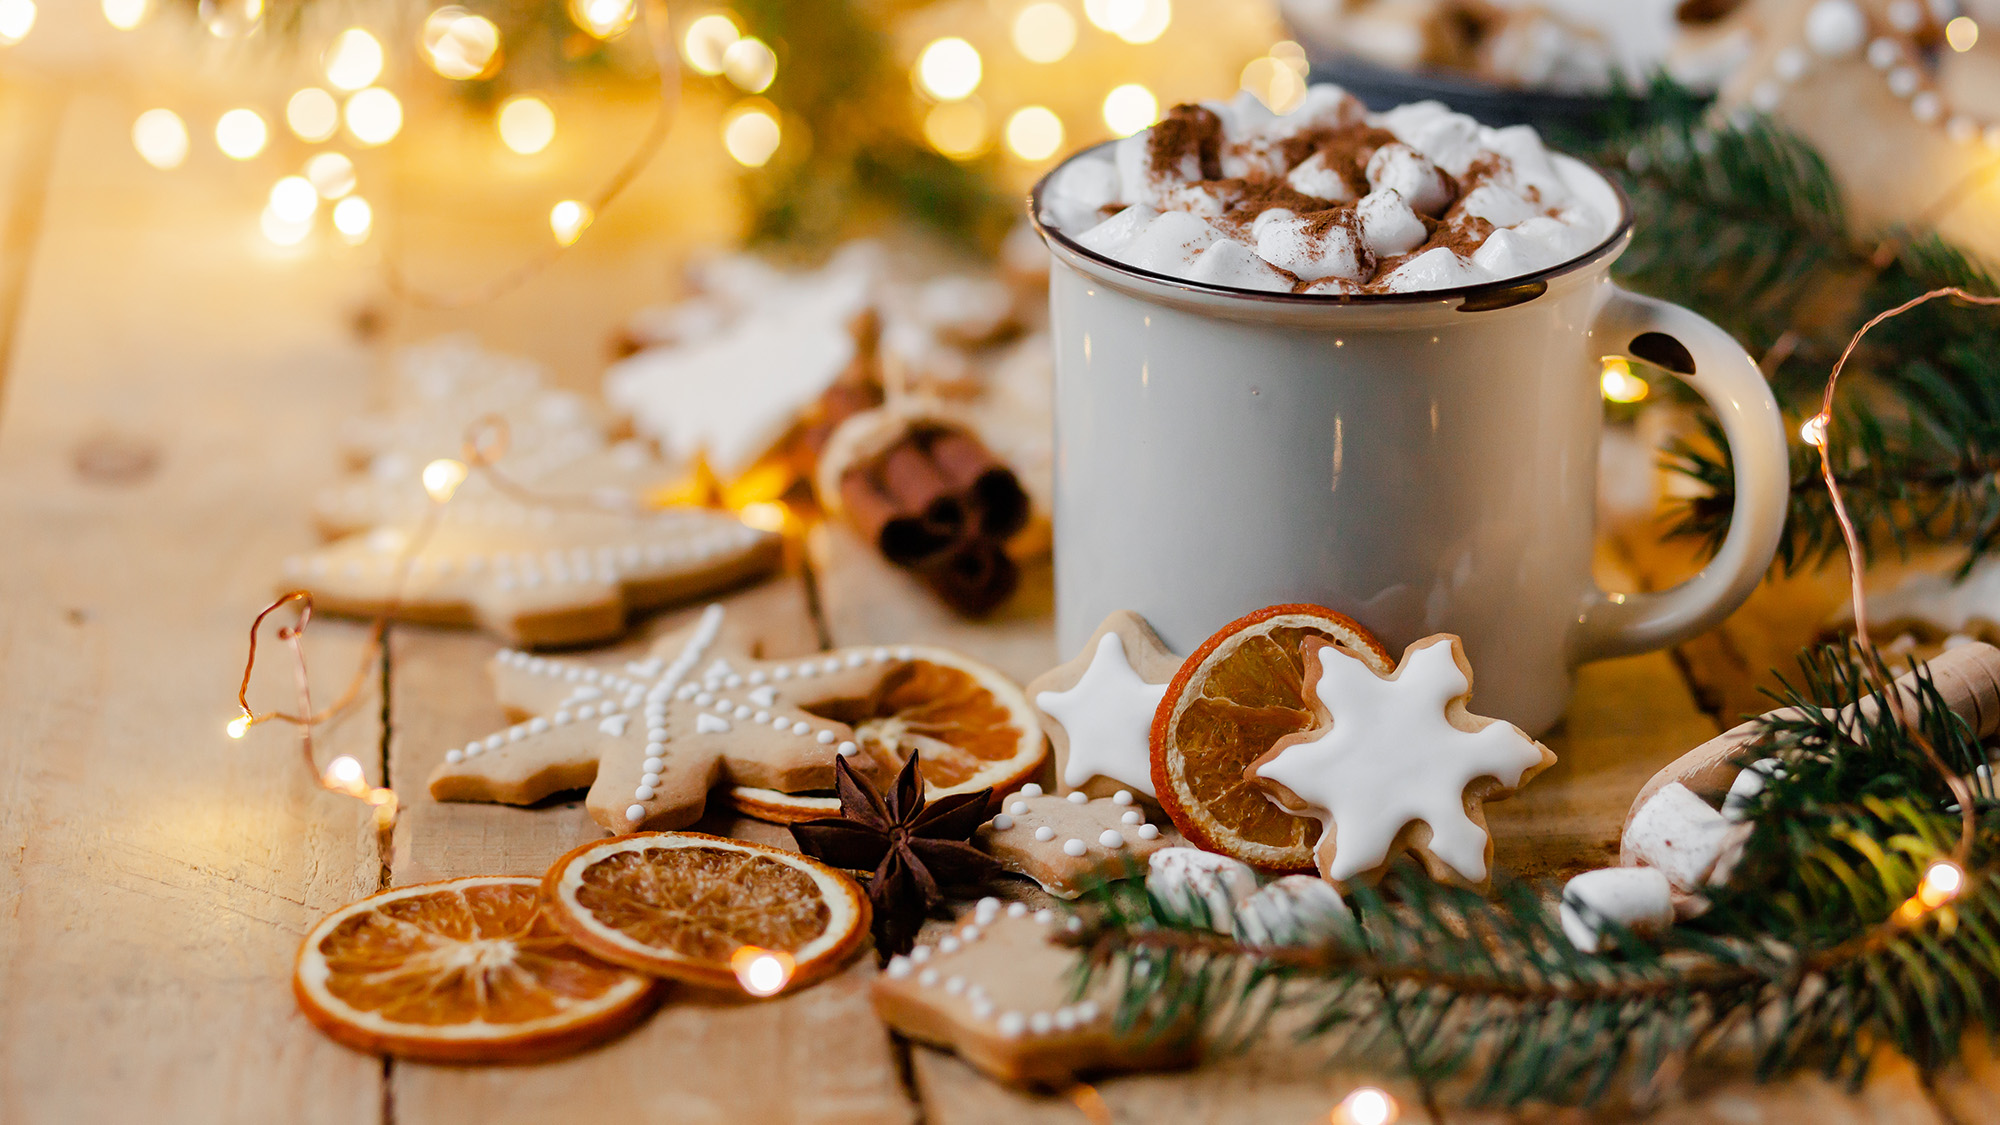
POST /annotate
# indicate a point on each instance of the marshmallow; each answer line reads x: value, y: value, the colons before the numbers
x: 1406, y: 170
x: 1678, y: 833
x: 1437, y: 268
x: 1332, y: 286
x: 1388, y: 227
x: 1750, y: 782
x: 1294, y: 910
x: 1078, y: 193
x: 1200, y: 883
x: 1231, y: 263
x: 1115, y: 236
x: 1292, y: 244
x: 1636, y: 898
x: 1497, y: 205
x: 1315, y: 177
x: 1171, y: 243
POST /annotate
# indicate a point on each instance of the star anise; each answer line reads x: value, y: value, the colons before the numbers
x: 915, y: 848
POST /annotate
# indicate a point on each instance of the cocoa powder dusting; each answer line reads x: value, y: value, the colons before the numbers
x: 1187, y: 129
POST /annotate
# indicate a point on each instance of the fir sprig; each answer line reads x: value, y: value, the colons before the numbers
x: 1810, y: 955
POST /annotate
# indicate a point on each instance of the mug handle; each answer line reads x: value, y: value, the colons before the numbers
x: 1716, y: 366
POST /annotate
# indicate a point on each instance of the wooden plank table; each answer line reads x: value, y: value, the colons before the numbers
x: 164, y: 403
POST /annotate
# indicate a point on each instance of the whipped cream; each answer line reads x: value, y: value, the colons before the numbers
x: 1329, y: 199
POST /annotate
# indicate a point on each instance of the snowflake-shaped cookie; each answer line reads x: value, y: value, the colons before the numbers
x: 1098, y: 708
x: 1398, y: 763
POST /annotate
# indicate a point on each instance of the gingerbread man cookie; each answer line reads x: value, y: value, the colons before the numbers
x: 1098, y: 708
x: 1397, y: 763
x: 999, y: 991
x: 1067, y: 843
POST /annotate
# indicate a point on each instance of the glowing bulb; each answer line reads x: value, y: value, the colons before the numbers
x: 750, y: 65
x: 239, y: 726
x: 1942, y: 882
x: 283, y: 231
x: 332, y: 174
x: 957, y: 129
x: 344, y: 772
x: 17, y: 18
x: 228, y: 19
x: 762, y: 972
x: 603, y: 18
x: 354, y: 60
x: 948, y: 69
x: 460, y: 45
x: 527, y: 124
x: 567, y: 219
x: 764, y: 515
x: 161, y: 138
x: 1275, y: 82
x: 1149, y: 24
x: 1619, y: 384
x: 352, y: 217
x: 442, y: 478
x: 751, y: 135
x: 1044, y: 32
x: 294, y: 199
x: 1366, y: 1106
x: 1813, y: 431
x: 1034, y: 133
x: 124, y: 14
x: 313, y: 114
x: 1962, y: 32
x: 240, y: 133
x: 1114, y: 16
x: 1130, y: 108
x: 706, y: 41
x: 374, y: 116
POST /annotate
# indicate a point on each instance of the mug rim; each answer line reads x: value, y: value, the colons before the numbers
x: 1497, y: 290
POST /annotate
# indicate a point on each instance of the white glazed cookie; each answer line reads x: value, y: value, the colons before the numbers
x: 1098, y: 708
x: 1067, y: 843
x: 999, y: 992
x: 1398, y: 763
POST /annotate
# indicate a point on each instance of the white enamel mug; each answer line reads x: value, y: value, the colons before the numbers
x: 1423, y: 462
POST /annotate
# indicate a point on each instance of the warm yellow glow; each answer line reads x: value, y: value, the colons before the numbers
x: 957, y: 129
x: 344, y: 773
x: 603, y: 18
x: 1044, y: 32
x: 331, y: 173
x: 460, y: 45
x: 1154, y: 16
x: 1365, y: 1106
x: 1813, y: 431
x: 948, y: 69
x: 294, y: 199
x: 1130, y: 108
x: 227, y: 19
x: 124, y: 14
x: 707, y: 39
x: 1942, y: 882
x: 240, y: 133
x: 1292, y: 55
x: 1619, y: 384
x: 750, y: 64
x: 1275, y: 82
x: 567, y: 219
x: 238, y: 726
x: 161, y: 138
x: 764, y: 515
x: 353, y: 218
x: 762, y: 972
x: 17, y: 18
x: 527, y: 124
x: 751, y: 134
x: 374, y: 116
x: 1034, y: 133
x: 442, y: 478
x: 1962, y: 33
x: 354, y: 60
x: 283, y: 231
x: 313, y: 114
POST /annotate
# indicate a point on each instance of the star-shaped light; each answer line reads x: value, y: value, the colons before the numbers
x: 1106, y: 710
x: 1396, y: 751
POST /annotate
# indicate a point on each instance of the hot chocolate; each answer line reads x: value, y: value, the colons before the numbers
x: 1326, y: 199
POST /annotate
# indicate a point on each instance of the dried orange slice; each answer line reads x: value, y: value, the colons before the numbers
x: 465, y: 970
x: 1240, y: 692
x: 685, y: 905
x: 968, y: 724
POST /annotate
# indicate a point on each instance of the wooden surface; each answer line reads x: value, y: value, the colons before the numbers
x: 165, y: 402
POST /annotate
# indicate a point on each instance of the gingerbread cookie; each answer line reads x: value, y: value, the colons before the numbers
x: 1098, y: 708
x: 1397, y: 763
x: 536, y: 576
x: 999, y: 992
x: 650, y: 738
x: 1068, y: 843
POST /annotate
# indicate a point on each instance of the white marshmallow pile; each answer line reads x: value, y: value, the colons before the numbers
x: 1170, y: 220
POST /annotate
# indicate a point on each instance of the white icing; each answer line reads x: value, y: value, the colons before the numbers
x: 615, y: 725
x: 1392, y: 757
x: 1108, y: 717
x: 706, y: 723
x: 1079, y: 797
x: 1045, y: 833
x: 1031, y: 790
x: 1074, y: 847
x: 1109, y: 838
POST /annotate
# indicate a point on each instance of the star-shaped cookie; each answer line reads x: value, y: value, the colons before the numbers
x: 1098, y: 708
x: 1398, y: 763
x: 1000, y: 993
x: 1066, y: 843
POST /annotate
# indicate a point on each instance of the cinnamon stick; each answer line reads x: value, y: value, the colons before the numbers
x: 975, y: 578
x: 997, y: 499
x: 904, y: 538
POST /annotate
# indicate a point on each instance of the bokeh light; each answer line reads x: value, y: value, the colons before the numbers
x: 124, y: 14
x: 750, y: 133
x: 460, y: 45
x: 17, y: 18
x: 374, y: 116
x: 161, y: 138
x: 313, y: 114
x: 1034, y: 133
x: 1962, y: 33
x: 331, y: 174
x: 1135, y: 21
x: 603, y: 18
x: 283, y: 231
x: 1130, y: 108
x: 750, y: 65
x: 1044, y: 32
x: 1619, y: 384
x: 294, y: 199
x: 567, y: 219
x: 948, y: 69
x: 957, y: 129
x: 1274, y: 81
x: 527, y: 124
x: 354, y: 60
x: 241, y: 134
x: 353, y: 218
x: 706, y: 41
